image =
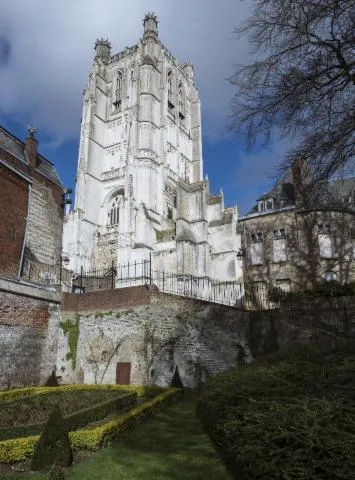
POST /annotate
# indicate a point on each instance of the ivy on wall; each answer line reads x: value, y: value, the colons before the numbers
x: 71, y: 330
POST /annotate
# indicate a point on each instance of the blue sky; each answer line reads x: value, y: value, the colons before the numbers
x: 46, y: 51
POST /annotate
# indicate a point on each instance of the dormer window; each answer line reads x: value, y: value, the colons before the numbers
x: 269, y: 204
x: 261, y: 206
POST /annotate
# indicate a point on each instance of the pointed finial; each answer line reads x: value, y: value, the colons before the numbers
x: 150, y: 23
x: 31, y: 131
x: 103, y: 48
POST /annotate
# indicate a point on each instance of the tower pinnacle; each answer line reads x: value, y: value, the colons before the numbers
x: 150, y: 23
x: 103, y: 48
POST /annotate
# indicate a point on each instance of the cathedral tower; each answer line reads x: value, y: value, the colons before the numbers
x: 139, y: 179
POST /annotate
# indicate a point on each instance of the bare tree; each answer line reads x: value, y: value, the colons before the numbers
x: 302, y: 84
x: 149, y: 346
x: 100, y: 352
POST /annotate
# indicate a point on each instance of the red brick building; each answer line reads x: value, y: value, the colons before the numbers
x: 31, y: 206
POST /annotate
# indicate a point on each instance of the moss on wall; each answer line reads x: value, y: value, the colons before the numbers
x: 70, y: 328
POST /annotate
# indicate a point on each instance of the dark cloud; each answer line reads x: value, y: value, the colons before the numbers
x: 52, y: 51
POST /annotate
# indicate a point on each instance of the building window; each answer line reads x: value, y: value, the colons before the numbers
x: 279, y: 233
x: 270, y: 204
x: 261, y: 206
x: 329, y: 276
x: 170, y: 213
x: 256, y: 237
x: 324, y: 228
x: 114, y: 210
x: 284, y: 284
x: 257, y: 248
x: 279, y: 245
x: 325, y: 246
x: 117, y: 104
x: 325, y: 240
x: 170, y: 93
x: 181, y: 99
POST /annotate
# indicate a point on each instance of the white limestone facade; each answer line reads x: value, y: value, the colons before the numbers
x: 140, y: 191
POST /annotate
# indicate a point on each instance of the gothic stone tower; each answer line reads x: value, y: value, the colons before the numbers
x: 139, y: 180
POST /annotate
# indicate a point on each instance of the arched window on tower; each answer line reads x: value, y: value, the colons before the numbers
x: 170, y: 92
x: 181, y: 96
x: 118, y: 92
x: 113, y: 215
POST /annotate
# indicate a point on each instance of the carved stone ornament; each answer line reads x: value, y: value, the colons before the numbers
x: 123, y: 240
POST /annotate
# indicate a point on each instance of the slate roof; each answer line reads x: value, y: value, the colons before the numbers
x: 332, y: 193
x: 16, y: 147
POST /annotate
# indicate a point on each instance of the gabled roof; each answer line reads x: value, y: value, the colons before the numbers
x: 16, y: 147
x: 332, y: 193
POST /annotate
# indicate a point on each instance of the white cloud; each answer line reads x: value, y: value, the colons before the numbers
x: 52, y: 51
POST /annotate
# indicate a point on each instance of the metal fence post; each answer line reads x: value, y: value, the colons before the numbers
x: 112, y: 275
x: 81, y: 279
x: 150, y: 268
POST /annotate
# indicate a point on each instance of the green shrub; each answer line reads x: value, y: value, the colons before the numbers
x: 53, y: 446
x: 141, y: 390
x: 52, y: 380
x: 287, y: 417
x: 176, y: 380
x: 78, y: 419
x: 20, y: 449
x: 34, y: 409
x: 96, y: 438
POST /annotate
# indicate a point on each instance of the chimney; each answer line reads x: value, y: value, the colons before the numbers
x: 297, y: 178
x: 31, y: 146
x: 302, y: 179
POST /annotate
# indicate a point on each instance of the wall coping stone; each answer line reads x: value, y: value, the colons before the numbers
x: 28, y: 290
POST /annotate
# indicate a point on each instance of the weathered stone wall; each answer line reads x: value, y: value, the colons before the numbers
x: 198, y: 337
x: 29, y: 318
x: 45, y: 223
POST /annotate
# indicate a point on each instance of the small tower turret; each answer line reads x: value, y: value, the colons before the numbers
x: 103, y: 48
x: 189, y: 70
x: 150, y: 24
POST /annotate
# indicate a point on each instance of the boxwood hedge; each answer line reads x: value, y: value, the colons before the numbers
x: 78, y: 419
x: 20, y: 449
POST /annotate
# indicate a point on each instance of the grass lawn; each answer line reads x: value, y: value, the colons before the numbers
x: 172, y: 445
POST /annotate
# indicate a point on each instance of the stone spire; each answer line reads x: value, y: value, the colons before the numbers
x: 150, y: 23
x: 103, y: 48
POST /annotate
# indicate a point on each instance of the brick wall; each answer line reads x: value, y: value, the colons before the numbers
x: 45, y: 223
x: 107, y: 299
x: 28, y: 332
x: 13, y: 214
x: 23, y: 310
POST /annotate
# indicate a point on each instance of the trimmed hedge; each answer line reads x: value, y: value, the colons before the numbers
x: 142, y: 391
x: 290, y: 416
x: 78, y: 419
x: 35, y: 409
x: 20, y: 449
